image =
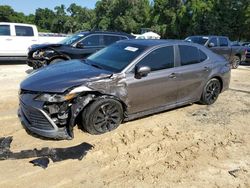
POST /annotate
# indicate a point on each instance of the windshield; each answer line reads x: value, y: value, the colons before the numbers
x: 71, y: 39
x: 198, y: 40
x: 116, y: 57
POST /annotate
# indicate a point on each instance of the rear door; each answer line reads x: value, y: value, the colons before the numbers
x: 159, y: 87
x: 194, y: 68
x: 24, y: 38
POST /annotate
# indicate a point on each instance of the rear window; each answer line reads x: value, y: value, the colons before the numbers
x: 189, y: 55
x: 223, y: 41
x: 24, y: 31
x: 198, y: 40
x: 4, y: 30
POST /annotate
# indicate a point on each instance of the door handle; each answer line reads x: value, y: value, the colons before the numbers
x: 206, y: 69
x: 172, y: 76
x: 9, y: 39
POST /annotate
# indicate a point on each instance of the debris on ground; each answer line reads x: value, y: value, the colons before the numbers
x: 44, y: 154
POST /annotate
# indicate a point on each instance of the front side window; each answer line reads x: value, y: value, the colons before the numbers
x: 161, y: 58
x: 91, y: 41
x: 4, y: 30
x: 214, y: 41
x: 223, y: 41
x: 72, y: 39
x: 109, y: 39
x: 189, y: 55
x: 24, y: 31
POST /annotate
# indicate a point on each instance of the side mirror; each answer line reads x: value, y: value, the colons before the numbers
x: 79, y: 45
x: 141, y: 72
x: 211, y: 45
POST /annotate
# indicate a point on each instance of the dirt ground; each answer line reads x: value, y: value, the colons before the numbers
x: 192, y: 146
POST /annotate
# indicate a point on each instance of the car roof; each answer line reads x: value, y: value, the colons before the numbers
x: 209, y: 36
x: 156, y: 42
x: 105, y: 32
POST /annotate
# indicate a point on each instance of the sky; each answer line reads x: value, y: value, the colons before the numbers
x: 30, y: 6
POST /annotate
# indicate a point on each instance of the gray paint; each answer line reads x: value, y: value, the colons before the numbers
x: 158, y: 91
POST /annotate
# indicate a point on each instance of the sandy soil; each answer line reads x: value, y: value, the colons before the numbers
x: 193, y: 146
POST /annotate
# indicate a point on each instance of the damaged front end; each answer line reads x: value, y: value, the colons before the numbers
x: 54, y: 115
x: 40, y: 57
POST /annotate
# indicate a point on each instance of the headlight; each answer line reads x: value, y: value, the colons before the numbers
x: 55, y: 97
x: 41, y: 53
x: 62, y: 97
x: 37, y: 54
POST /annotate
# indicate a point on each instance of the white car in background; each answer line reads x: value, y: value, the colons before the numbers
x: 16, y: 38
x: 147, y: 35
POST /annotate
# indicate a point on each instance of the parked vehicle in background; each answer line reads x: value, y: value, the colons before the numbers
x: 126, y: 80
x: 16, y: 38
x: 77, y: 46
x: 222, y: 46
x: 147, y: 35
x: 247, y: 51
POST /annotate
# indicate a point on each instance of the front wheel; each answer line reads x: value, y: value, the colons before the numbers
x: 55, y: 61
x: 102, y: 116
x: 211, y: 91
x: 235, y: 62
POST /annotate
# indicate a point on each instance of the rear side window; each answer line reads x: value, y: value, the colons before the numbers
x: 214, y: 41
x: 4, y: 30
x: 161, y: 58
x: 109, y: 39
x: 223, y: 41
x: 24, y: 31
x: 203, y: 56
x: 93, y: 40
x: 189, y: 55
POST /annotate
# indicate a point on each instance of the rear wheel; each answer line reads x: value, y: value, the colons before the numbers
x: 102, y: 116
x: 235, y: 62
x: 211, y: 91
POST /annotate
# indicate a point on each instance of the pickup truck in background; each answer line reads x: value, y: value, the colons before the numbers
x: 16, y: 38
x: 222, y: 46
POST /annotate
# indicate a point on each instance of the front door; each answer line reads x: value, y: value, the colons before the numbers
x: 159, y: 87
x: 88, y: 46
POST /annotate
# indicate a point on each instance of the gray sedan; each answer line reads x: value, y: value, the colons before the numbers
x: 127, y: 80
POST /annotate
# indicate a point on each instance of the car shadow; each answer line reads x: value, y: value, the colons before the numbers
x: 247, y: 64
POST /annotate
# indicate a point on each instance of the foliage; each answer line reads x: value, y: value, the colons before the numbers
x: 169, y: 18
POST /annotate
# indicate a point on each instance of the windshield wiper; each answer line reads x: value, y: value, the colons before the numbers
x: 91, y: 64
x: 97, y: 66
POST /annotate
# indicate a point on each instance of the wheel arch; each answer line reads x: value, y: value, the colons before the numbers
x: 220, y: 80
x: 64, y: 57
x: 96, y: 95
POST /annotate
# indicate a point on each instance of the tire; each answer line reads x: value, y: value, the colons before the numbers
x: 102, y: 116
x: 211, y: 91
x: 235, y: 62
x: 55, y: 61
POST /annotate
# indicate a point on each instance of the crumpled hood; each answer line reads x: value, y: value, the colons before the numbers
x: 35, y: 47
x: 57, y: 78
